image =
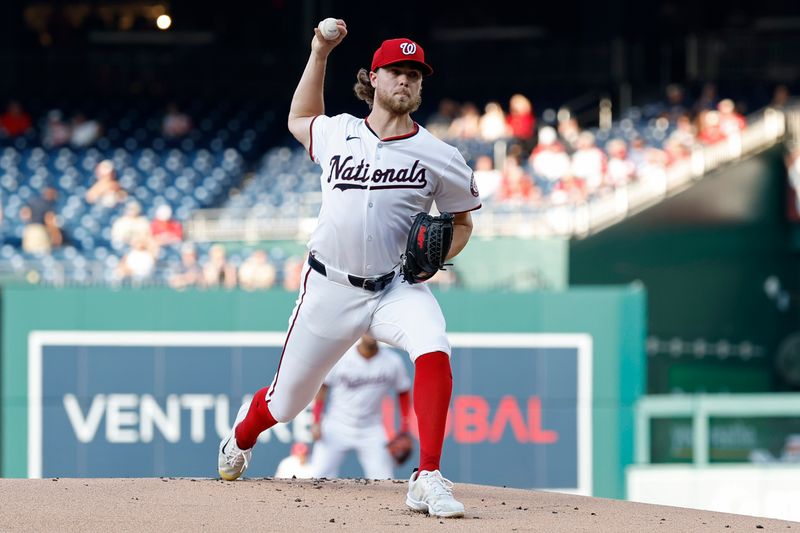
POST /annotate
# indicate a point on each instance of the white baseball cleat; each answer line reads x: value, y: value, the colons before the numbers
x: 430, y: 492
x: 233, y: 461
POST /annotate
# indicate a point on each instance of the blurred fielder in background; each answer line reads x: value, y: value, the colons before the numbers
x: 355, y: 388
x: 296, y: 463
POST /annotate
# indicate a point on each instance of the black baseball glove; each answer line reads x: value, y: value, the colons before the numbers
x: 400, y: 447
x: 428, y: 243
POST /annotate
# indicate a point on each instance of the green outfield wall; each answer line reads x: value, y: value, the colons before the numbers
x: 704, y: 257
x: 614, y: 317
x: 487, y: 263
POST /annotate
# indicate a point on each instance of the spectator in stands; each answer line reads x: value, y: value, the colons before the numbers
x: 709, y: 128
x: 218, y: 271
x: 653, y: 171
x: 637, y: 152
x: 130, y: 227
x: 589, y: 163
x: 15, y: 121
x: 674, y: 151
x: 85, y: 132
x: 138, y: 264
x: 516, y: 186
x: 487, y: 178
x: 675, y: 105
x: 38, y: 235
x: 34, y: 236
x: 189, y: 273
x: 569, y: 191
x: 53, y: 228
x: 684, y: 134
x: 257, y: 272
x: 106, y: 191
x: 521, y: 120
x: 292, y: 271
x: 549, y: 160
x: 621, y: 170
x: 176, y: 124
x: 730, y: 121
x: 569, y: 131
x: 467, y: 124
x: 56, y: 131
x: 439, y: 123
x: 780, y: 97
x: 164, y: 229
x: 707, y: 100
x: 492, y: 123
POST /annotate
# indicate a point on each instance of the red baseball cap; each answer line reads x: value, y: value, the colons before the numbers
x: 398, y: 50
x: 299, y: 448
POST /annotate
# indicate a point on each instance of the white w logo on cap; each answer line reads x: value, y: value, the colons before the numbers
x: 408, y: 49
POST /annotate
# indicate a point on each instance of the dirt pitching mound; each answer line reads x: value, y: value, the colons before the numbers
x: 178, y: 504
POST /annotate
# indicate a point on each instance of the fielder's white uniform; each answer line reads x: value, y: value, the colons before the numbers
x: 371, y: 190
x: 352, y: 421
x: 292, y: 467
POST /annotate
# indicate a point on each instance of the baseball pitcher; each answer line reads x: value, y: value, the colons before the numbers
x: 369, y: 256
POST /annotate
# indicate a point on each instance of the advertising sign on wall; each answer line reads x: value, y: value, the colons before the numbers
x: 130, y: 404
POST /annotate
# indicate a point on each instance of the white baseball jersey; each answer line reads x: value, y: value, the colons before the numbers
x: 291, y: 466
x: 372, y: 188
x: 357, y: 386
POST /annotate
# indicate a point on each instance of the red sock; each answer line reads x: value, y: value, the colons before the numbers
x: 257, y: 420
x: 433, y: 385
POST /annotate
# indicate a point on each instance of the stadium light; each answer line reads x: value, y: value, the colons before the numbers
x: 163, y: 22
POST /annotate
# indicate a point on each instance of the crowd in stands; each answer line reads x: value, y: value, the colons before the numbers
x: 561, y: 163
x: 140, y: 241
x: 547, y: 160
x: 80, y: 131
x: 59, y: 201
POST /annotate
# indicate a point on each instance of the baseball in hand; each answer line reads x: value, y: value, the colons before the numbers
x: 329, y: 29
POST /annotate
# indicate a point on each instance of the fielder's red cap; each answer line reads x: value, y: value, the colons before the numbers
x: 299, y: 448
x: 399, y: 50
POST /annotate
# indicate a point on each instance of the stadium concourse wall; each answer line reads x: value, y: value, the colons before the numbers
x: 505, y: 344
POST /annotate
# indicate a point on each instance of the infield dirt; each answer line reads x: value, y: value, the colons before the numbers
x: 179, y: 504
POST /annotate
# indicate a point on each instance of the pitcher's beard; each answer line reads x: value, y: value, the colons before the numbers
x: 398, y: 107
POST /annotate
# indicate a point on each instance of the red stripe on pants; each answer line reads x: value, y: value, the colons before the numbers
x: 259, y: 418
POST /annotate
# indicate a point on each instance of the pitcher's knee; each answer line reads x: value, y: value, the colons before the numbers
x: 285, y: 413
x: 430, y: 346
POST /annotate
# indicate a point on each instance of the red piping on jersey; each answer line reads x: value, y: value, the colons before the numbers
x: 468, y: 210
x: 396, y: 137
x: 277, y: 372
x: 311, y: 138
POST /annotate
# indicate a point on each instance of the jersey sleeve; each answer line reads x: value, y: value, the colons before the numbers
x: 323, y: 129
x: 321, y: 125
x: 456, y: 191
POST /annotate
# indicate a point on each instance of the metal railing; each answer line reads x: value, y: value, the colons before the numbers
x: 216, y: 225
x: 700, y: 408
